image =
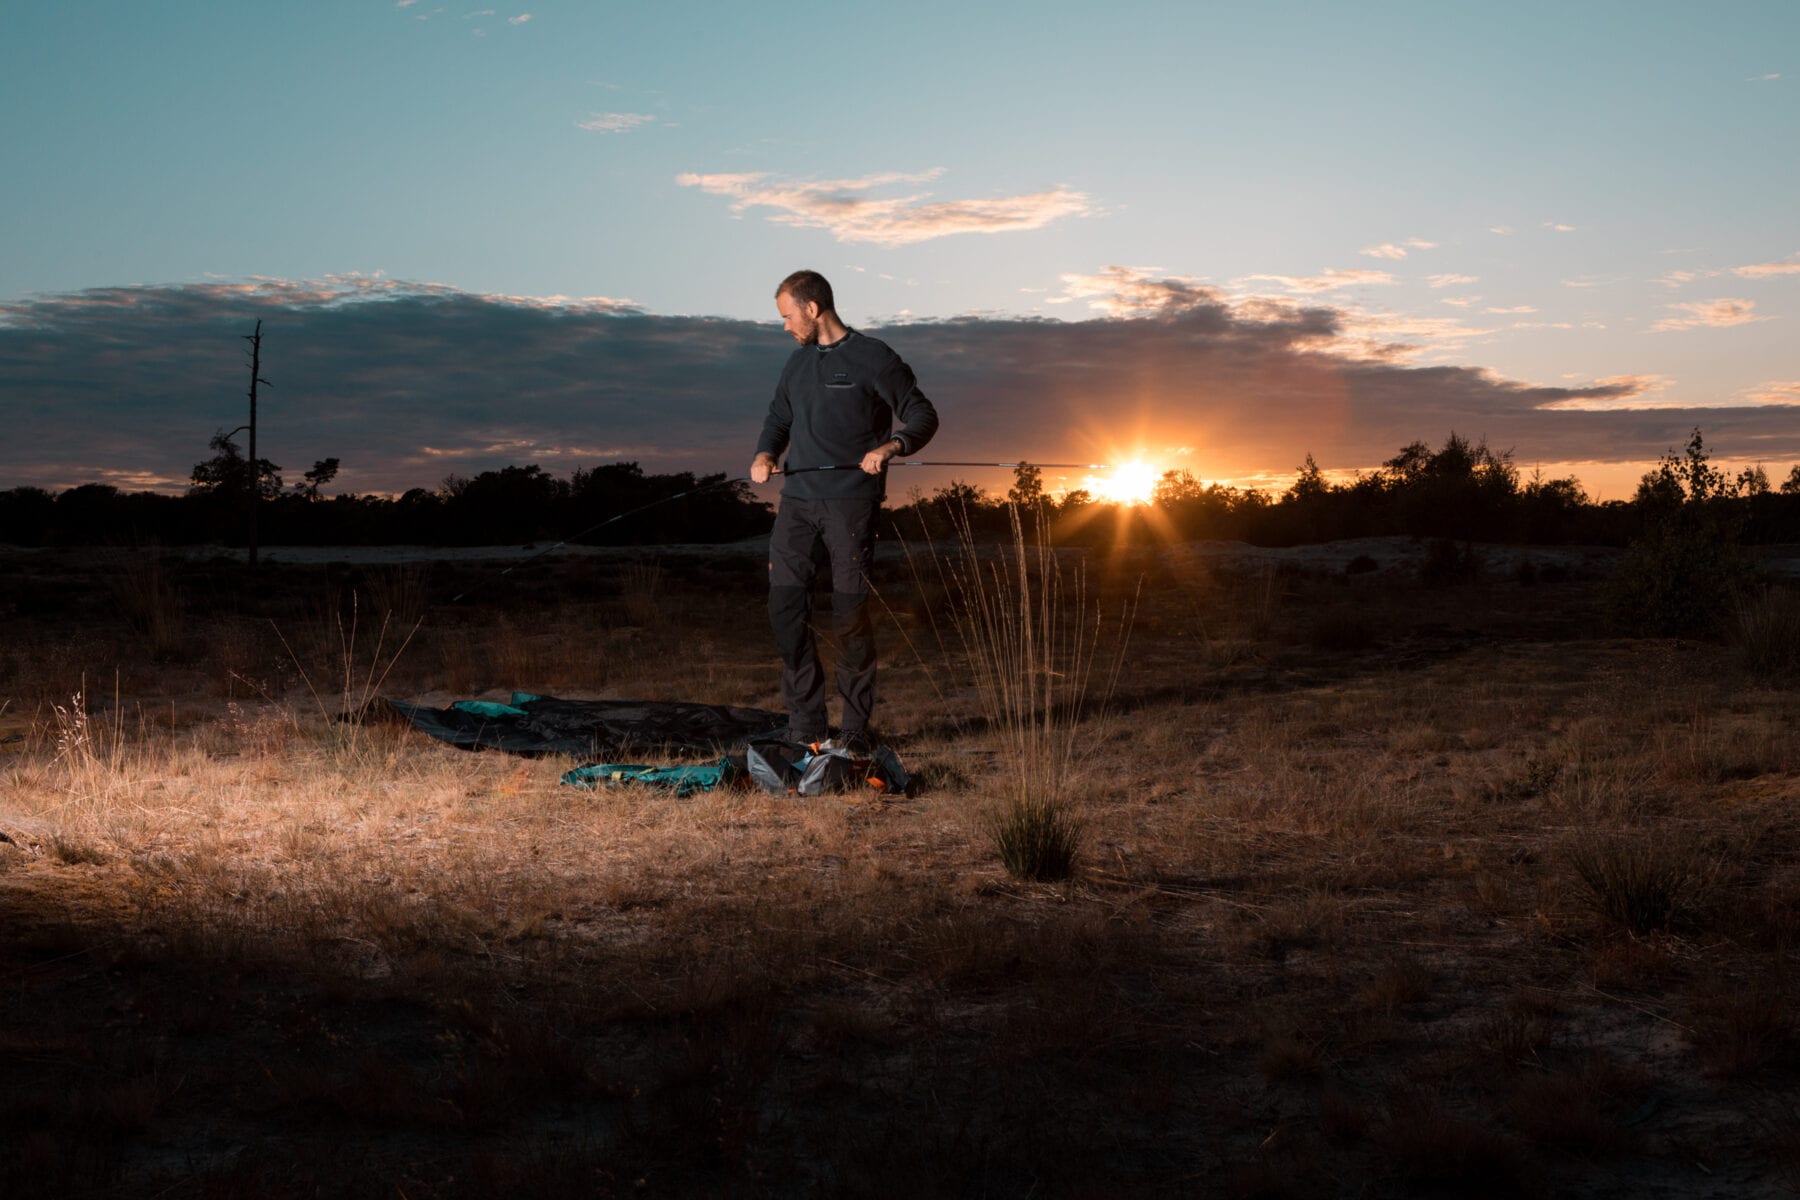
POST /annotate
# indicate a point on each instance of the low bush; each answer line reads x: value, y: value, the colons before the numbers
x: 1448, y: 563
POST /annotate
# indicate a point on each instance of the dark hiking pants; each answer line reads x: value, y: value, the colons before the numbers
x: 845, y: 529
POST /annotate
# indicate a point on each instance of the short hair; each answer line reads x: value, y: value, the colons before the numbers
x: 808, y: 287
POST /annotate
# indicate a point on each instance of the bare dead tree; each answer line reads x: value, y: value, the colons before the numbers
x: 255, y: 340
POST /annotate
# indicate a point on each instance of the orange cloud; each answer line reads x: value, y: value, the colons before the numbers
x: 848, y: 210
x: 1135, y: 292
x: 1328, y: 280
x: 1788, y: 266
x: 1785, y: 393
x: 1714, y: 314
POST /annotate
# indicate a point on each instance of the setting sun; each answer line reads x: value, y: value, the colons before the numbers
x: 1130, y: 483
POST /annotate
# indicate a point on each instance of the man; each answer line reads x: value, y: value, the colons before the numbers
x: 835, y: 406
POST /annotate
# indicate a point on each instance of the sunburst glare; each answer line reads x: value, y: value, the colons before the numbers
x: 1132, y: 482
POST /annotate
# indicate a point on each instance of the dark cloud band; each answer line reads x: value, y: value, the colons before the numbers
x: 407, y: 384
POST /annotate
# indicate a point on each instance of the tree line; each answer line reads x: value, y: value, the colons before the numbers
x: 507, y: 506
x: 1462, y: 491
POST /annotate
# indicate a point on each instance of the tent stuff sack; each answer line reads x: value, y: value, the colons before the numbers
x: 613, y: 729
x: 780, y: 768
x: 683, y: 781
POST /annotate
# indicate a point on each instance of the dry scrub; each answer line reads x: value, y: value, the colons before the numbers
x: 1383, y: 891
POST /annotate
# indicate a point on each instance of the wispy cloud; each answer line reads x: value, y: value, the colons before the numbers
x: 1787, y: 266
x: 1675, y: 279
x: 1444, y: 281
x: 1502, y: 230
x: 1329, y: 280
x: 615, y: 122
x: 1136, y: 292
x: 1517, y: 308
x: 1619, y: 393
x: 518, y: 20
x: 1785, y: 393
x: 850, y: 210
x: 1710, y: 314
x: 1763, y: 78
x: 1396, y: 250
x: 1559, y: 227
x: 1398, y: 337
x: 1461, y: 301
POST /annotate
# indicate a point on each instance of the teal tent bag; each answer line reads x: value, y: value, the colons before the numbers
x: 683, y: 781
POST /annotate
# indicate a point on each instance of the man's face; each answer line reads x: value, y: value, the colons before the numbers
x: 800, y: 320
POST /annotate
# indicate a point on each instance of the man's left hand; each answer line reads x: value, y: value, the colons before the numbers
x: 876, y: 459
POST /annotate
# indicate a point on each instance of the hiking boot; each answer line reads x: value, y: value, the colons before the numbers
x: 859, y: 742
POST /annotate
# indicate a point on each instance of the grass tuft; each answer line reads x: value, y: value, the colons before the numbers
x: 1766, y: 631
x: 1031, y: 635
x: 1037, y: 838
x: 1641, y: 882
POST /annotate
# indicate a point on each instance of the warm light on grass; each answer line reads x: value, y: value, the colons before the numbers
x: 1467, y: 902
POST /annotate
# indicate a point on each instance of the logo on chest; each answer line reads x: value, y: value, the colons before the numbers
x: 839, y: 379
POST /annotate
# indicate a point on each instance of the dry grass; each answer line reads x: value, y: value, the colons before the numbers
x: 1332, y: 931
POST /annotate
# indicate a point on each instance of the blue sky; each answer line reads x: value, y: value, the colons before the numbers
x: 1586, y: 205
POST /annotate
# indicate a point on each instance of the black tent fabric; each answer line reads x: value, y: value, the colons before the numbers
x: 607, y: 729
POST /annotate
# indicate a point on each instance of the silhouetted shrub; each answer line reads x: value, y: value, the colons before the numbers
x: 1683, y: 574
x: 1448, y: 563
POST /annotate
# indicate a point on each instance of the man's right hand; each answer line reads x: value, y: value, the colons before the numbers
x: 761, y: 467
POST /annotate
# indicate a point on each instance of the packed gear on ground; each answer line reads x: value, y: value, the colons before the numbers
x: 618, y: 730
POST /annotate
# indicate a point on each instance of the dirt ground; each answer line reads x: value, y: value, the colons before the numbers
x: 1382, y: 889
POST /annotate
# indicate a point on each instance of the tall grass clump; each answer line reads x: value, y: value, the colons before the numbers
x: 1766, y: 630
x: 1641, y: 882
x: 1031, y: 635
x: 95, y: 765
x: 147, y: 598
x: 358, y: 682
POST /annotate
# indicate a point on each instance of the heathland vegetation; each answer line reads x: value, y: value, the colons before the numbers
x: 1400, y: 867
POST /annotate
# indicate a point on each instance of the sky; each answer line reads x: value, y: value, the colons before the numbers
x: 1214, y: 237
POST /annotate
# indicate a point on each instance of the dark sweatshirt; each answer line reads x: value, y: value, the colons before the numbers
x: 836, y: 403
